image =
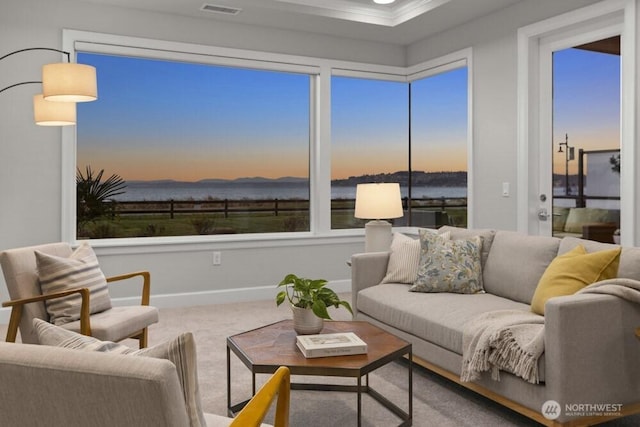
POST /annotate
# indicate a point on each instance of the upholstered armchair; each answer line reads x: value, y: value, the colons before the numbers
x: 20, y: 270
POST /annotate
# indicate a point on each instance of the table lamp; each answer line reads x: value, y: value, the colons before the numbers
x: 378, y: 201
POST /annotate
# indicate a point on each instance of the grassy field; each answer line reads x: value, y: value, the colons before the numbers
x: 177, y: 223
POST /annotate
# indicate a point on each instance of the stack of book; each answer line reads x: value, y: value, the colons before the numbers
x: 323, y: 345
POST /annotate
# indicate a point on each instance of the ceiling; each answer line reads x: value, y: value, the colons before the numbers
x: 402, y: 22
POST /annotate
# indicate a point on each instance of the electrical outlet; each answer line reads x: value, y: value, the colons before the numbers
x: 217, y: 258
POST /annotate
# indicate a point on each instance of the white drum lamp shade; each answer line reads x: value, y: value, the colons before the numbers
x: 47, y: 113
x: 69, y: 82
x: 378, y: 201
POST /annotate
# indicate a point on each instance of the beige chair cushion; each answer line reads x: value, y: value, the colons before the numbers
x: 51, y: 386
x: 79, y: 270
x: 21, y: 276
x: 181, y: 352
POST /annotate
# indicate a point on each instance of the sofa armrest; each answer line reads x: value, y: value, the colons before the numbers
x: 591, y: 352
x: 367, y: 269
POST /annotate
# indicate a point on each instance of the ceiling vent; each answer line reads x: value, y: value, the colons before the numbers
x: 225, y: 10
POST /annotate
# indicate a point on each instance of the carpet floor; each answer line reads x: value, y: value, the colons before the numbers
x: 436, y: 401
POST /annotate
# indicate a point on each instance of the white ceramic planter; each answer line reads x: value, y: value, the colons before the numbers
x: 305, y: 322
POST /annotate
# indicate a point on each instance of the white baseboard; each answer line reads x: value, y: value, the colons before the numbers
x: 223, y: 296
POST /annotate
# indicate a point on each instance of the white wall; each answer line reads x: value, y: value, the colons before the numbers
x: 494, y: 42
x: 30, y: 156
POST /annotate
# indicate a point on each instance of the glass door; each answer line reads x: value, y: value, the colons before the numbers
x: 585, y: 172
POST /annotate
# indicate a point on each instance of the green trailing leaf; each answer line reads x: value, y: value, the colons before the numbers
x: 281, y: 297
x: 320, y: 309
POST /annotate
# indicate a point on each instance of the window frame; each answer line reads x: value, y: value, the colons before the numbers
x: 320, y: 70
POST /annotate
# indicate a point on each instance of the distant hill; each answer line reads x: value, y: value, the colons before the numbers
x: 433, y: 179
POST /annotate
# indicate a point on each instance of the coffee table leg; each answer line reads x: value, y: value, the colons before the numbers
x: 359, y: 401
x: 411, y: 385
x: 229, y: 381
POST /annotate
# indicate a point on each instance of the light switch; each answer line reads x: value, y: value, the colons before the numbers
x: 505, y: 189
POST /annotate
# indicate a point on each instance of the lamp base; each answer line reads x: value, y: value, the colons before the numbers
x: 377, y: 236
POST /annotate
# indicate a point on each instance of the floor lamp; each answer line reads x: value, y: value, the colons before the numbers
x: 63, y: 84
x: 378, y: 202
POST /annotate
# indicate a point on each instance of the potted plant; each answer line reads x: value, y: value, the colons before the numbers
x: 309, y: 299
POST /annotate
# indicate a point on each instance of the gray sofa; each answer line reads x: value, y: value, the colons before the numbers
x: 592, y: 355
x: 51, y: 386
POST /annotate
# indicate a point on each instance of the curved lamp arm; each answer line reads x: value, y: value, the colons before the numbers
x: 28, y: 49
x: 37, y: 48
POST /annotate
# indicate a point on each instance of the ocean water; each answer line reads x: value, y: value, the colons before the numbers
x: 159, y: 191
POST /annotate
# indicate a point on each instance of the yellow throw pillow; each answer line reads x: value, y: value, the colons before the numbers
x: 572, y: 271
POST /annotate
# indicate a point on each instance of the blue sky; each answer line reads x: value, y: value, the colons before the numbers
x: 586, y: 102
x: 166, y: 120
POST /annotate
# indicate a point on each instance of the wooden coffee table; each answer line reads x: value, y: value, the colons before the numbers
x: 264, y: 349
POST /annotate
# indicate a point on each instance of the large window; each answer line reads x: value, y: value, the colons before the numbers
x: 439, y: 149
x: 188, y: 140
x: 413, y: 133
x: 189, y: 148
x: 369, y: 130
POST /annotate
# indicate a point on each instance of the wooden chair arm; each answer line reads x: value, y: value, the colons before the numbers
x: 146, y: 283
x: 254, y: 412
x: 23, y: 301
x: 16, y: 310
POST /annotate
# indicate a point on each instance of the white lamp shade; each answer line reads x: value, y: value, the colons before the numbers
x: 69, y: 82
x: 47, y: 113
x: 378, y: 201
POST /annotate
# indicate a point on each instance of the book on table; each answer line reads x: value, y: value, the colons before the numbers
x: 338, y: 344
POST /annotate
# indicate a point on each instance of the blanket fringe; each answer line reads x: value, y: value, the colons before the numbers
x: 471, y: 368
x: 508, y: 355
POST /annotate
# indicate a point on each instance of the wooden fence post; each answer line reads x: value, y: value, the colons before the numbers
x: 171, y: 207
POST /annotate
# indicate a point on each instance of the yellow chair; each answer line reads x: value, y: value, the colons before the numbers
x: 256, y: 409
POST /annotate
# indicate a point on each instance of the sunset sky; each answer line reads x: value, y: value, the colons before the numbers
x: 586, y: 103
x: 166, y: 120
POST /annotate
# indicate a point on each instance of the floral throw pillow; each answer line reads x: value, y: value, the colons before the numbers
x: 449, y: 265
x: 405, y: 257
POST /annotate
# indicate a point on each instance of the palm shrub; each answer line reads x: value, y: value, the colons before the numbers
x: 92, y: 193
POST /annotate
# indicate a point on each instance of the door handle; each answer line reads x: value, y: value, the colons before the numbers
x: 543, y: 215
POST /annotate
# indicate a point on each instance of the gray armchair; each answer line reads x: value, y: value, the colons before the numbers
x: 27, y: 301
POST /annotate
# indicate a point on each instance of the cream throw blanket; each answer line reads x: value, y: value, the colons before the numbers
x: 513, y: 340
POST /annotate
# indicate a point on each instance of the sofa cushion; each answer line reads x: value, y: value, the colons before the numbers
x: 629, y: 267
x: 404, y: 258
x: 464, y: 233
x: 437, y: 318
x: 449, y: 265
x: 560, y: 215
x: 79, y: 270
x: 515, y: 264
x: 579, y: 216
x: 572, y: 271
x: 181, y: 351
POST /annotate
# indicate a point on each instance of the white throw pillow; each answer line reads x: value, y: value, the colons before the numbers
x: 181, y: 351
x: 405, y: 257
x: 80, y: 270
